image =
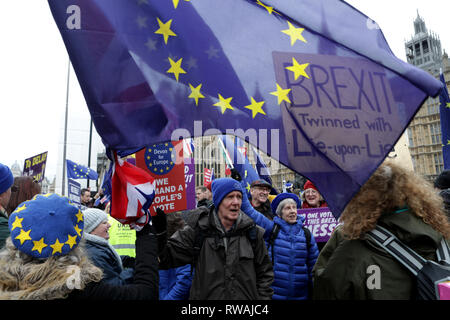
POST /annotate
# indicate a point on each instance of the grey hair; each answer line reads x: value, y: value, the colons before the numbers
x: 282, y: 204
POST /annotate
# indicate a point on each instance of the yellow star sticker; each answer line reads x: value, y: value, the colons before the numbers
x: 281, y: 94
x: 269, y: 9
x: 164, y: 29
x: 79, y: 216
x: 39, y: 245
x: 71, y: 241
x: 256, y: 108
x: 175, y: 68
x: 294, y: 33
x: 57, y: 247
x: 78, y: 230
x: 24, y: 236
x: 298, y: 69
x: 195, y: 93
x: 224, y: 103
x: 20, y: 208
x: 17, y: 223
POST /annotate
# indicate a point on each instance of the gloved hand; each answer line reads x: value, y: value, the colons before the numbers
x: 159, y: 222
x: 246, y: 205
x: 235, y: 175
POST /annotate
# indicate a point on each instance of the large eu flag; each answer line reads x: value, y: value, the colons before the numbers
x: 312, y: 83
x: 444, y: 110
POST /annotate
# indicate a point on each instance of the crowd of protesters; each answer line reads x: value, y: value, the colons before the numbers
x: 233, y: 246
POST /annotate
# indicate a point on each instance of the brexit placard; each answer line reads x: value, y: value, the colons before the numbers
x: 165, y: 163
x: 320, y: 221
x: 35, y: 166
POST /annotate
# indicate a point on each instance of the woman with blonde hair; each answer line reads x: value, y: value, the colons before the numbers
x: 400, y: 201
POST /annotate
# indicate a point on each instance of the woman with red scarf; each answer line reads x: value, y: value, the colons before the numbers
x: 311, y: 198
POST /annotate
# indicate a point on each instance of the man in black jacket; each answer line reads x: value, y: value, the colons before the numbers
x: 259, y: 191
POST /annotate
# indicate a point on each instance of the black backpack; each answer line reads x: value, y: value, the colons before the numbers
x: 200, y: 235
x: 428, y: 273
x: 274, y: 235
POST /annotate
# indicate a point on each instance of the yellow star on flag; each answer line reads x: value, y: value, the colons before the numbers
x: 256, y: 107
x: 281, y: 94
x: 17, y: 223
x: 57, y: 247
x: 447, y: 105
x: 24, y: 236
x: 18, y: 209
x: 79, y: 216
x: 294, y: 33
x: 71, y: 241
x: 269, y: 9
x: 448, y: 142
x: 176, y: 2
x: 224, y: 103
x: 175, y: 68
x: 195, y: 93
x: 78, y: 230
x: 164, y: 29
x: 248, y: 187
x: 298, y: 69
x: 39, y: 245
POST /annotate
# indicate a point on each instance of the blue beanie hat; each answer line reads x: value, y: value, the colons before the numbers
x: 6, y: 178
x: 223, y: 186
x: 283, y: 196
x: 48, y: 225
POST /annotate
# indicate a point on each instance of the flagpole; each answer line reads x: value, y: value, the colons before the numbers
x: 90, y: 147
x: 65, y: 132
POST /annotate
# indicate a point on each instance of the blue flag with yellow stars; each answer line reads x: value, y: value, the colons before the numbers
x: 240, y: 161
x: 77, y: 171
x: 444, y: 110
x: 312, y: 83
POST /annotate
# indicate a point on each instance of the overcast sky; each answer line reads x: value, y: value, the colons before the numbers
x: 33, y: 74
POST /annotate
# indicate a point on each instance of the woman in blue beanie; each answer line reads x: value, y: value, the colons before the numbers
x: 292, y: 253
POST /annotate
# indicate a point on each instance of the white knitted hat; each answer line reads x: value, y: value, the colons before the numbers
x: 92, y: 218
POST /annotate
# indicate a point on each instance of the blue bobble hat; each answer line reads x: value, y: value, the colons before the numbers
x: 283, y: 196
x: 223, y: 186
x: 48, y: 225
x: 6, y: 178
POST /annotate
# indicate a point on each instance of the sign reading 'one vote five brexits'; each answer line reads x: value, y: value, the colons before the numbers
x: 312, y: 83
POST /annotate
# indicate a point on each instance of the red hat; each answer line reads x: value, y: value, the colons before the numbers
x: 309, y: 185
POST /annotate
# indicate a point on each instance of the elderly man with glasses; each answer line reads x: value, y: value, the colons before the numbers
x: 259, y: 192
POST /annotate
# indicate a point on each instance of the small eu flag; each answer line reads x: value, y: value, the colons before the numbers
x: 76, y: 171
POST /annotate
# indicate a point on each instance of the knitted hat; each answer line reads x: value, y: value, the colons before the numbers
x: 223, y: 186
x: 48, y: 225
x: 92, y: 218
x: 283, y: 196
x: 6, y: 178
x: 261, y: 183
x: 443, y: 180
x: 309, y: 185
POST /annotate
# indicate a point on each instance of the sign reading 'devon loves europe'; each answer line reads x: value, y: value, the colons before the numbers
x: 165, y: 163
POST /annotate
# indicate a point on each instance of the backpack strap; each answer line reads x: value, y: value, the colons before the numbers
x: 402, y: 253
x: 308, y: 238
x: 273, y: 235
x: 443, y: 252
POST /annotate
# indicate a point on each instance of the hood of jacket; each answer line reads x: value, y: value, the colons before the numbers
x: 26, y: 278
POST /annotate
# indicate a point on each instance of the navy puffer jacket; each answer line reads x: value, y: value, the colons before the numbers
x: 293, y: 262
